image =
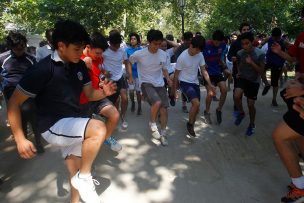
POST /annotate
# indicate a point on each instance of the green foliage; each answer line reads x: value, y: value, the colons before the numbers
x: 34, y: 16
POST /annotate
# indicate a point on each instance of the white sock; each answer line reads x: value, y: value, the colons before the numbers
x: 298, y: 182
x: 84, y: 175
x: 163, y: 132
x: 152, y: 124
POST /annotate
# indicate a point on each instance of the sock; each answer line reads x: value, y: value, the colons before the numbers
x: 152, y: 124
x: 84, y: 175
x: 298, y: 182
x: 163, y: 132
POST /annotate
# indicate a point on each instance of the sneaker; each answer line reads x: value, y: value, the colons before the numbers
x: 250, y: 130
x: 274, y: 103
x: 207, y: 118
x: 115, y: 146
x: 265, y: 90
x: 124, y: 125
x: 291, y: 186
x: 190, y: 129
x: 185, y: 110
x: 86, y: 188
x: 164, y: 140
x: 218, y: 116
x: 133, y: 107
x: 295, y: 195
x: 154, y: 132
x: 238, y: 118
x: 214, y: 98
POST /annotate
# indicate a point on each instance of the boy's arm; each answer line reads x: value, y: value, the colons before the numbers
x: 26, y: 148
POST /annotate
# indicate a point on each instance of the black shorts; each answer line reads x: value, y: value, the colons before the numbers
x: 251, y: 89
x: 94, y: 107
x: 215, y: 79
x: 292, y: 117
x: 275, y: 73
x: 121, y: 84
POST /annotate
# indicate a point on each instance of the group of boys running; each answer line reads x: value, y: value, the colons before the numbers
x: 82, y: 82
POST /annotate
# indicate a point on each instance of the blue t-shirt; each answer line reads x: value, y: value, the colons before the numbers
x: 272, y: 57
x: 213, y: 57
x: 130, y: 51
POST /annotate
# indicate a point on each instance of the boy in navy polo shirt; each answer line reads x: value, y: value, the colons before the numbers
x: 56, y: 83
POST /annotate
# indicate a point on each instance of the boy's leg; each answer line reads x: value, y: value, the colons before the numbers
x: 252, y: 110
x: 195, y: 105
x: 112, y: 115
x: 124, y: 103
x: 73, y: 164
x: 223, y: 90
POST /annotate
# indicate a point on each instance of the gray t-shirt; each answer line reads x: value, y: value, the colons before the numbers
x: 247, y: 71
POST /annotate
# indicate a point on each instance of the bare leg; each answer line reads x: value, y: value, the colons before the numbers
x: 94, y: 137
x: 208, y: 99
x: 163, y: 117
x: 154, y: 110
x: 194, y: 110
x: 238, y: 93
x: 112, y: 115
x: 124, y: 102
x: 73, y: 164
x: 223, y: 90
x: 252, y: 110
x: 282, y: 137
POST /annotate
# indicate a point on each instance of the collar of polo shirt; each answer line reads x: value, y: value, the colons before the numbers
x: 56, y: 57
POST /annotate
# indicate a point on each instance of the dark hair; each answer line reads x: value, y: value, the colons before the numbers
x: 134, y: 34
x: 247, y: 35
x: 243, y: 25
x: 69, y: 32
x: 170, y: 37
x: 218, y: 35
x: 98, y: 41
x: 15, y: 39
x: 233, y: 33
x: 276, y: 32
x: 187, y: 36
x: 154, y: 35
x: 115, y: 38
x: 198, y: 33
x: 198, y: 42
x: 48, y: 34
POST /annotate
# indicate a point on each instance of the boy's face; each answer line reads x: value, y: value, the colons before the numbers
x: 95, y: 53
x: 133, y: 41
x: 233, y: 38
x: 163, y: 45
x: 246, y: 45
x: 19, y: 50
x: 245, y: 29
x: 193, y: 51
x: 216, y: 43
x: 70, y: 52
x: 154, y: 45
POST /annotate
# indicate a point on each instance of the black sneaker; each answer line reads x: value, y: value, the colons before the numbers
x: 219, y: 116
x: 172, y: 100
x: 274, y: 103
x: 139, y: 112
x: 190, y: 129
x: 40, y: 149
x: 265, y: 90
x: 133, y: 107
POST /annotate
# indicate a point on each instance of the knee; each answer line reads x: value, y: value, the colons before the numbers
x: 195, y: 103
x: 96, y: 129
x: 157, y: 103
x: 114, y: 114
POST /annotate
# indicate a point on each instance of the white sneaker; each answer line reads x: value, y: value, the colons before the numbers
x: 124, y: 125
x: 154, y: 131
x: 86, y: 188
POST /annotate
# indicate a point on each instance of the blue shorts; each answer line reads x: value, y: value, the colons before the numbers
x: 190, y: 90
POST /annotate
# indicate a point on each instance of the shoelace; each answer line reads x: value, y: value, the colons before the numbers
x: 112, y: 141
x: 96, y: 182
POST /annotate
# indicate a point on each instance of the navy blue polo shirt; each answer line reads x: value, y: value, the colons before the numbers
x: 13, y: 67
x: 213, y: 57
x: 272, y: 57
x: 56, y: 87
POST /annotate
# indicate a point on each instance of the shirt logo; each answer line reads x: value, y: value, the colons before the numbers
x: 301, y: 45
x: 80, y: 76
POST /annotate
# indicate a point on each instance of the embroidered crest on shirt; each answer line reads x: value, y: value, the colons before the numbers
x: 80, y: 76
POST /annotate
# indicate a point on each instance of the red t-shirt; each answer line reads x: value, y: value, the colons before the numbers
x: 94, y: 75
x: 297, y: 50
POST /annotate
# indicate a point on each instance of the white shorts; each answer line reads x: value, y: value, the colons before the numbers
x: 135, y: 86
x: 68, y: 134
